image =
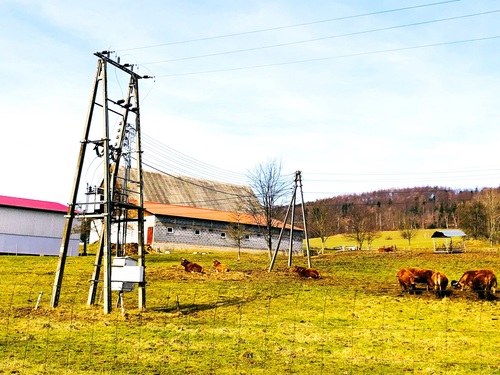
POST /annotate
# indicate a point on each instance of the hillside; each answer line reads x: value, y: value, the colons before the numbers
x: 427, y: 207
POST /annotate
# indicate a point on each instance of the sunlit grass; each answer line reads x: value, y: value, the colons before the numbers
x: 354, y: 320
x: 422, y: 240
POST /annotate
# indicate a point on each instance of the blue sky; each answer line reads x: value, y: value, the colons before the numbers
x: 359, y: 96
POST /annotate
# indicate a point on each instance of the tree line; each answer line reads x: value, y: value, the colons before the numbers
x: 362, y: 216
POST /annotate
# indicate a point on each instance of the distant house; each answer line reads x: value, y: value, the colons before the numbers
x: 33, y: 227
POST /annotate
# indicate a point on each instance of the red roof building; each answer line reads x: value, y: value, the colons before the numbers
x: 32, y: 204
x: 33, y: 227
x: 169, y: 226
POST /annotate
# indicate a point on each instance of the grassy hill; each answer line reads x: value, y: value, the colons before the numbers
x: 422, y: 240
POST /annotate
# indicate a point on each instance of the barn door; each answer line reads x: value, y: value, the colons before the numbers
x: 150, y: 236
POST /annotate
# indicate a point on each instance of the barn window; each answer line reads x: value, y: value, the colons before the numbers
x: 197, y: 232
x: 247, y: 236
x: 223, y: 234
x: 170, y: 230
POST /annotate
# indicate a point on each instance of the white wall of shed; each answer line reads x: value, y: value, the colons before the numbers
x: 16, y: 244
x: 32, y: 222
x: 36, y: 232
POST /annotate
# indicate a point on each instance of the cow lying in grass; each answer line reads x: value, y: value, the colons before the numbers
x: 306, y: 272
x: 386, y: 249
x: 190, y: 266
x: 219, y: 267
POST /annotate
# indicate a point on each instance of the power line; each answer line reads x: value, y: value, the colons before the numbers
x: 333, y: 57
x: 322, y: 38
x: 405, y: 173
x: 181, y: 163
x: 183, y: 179
x: 288, y: 26
x: 164, y: 158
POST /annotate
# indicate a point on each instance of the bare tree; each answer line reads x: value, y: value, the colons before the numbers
x: 270, y: 188
x: 491, y: 200
x: 409, y: 228
x: 473, y: 218
x: 322, y: 224
x: 371, y: 235
x: 360, y: 224
x: 236, y: 230
x: 83, y: 227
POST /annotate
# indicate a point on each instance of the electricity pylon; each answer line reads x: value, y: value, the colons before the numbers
x: 291, y: 208
x: 120, y: 198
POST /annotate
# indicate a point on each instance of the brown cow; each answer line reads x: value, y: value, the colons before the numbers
x: 484, y: 284
x: 219, y: 267
x: 190, y: 266
x: 440, y: 282
x: 306, y: 272
x: 422, y: 276
x: 386, y: 249
x: 406, y: 280
x: 468, y: 277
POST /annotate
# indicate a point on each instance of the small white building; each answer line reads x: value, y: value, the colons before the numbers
x: 449, y: 241
x: 33, y: 227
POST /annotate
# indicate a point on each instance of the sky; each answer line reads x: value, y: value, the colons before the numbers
x: 357, y: 95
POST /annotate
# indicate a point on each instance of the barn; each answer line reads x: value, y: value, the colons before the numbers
x: 174, y: 226
x: 33, y: 227
x: 186, y: 212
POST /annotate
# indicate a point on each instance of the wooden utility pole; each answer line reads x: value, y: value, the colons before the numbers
x: 291, y: 208
x: 120, y: 198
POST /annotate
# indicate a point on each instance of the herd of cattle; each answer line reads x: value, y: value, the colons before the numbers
x: 195, y: 267
x: 219, y: 267
x: 483, y: 282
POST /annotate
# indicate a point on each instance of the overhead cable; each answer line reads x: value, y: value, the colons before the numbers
x: 322, y: 38
x: 288, y: 26
x: 333, y: 57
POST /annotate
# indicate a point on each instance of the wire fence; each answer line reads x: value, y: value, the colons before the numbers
x: 239, y: 329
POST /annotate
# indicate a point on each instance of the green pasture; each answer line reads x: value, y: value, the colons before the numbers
x: 354, y: 320
x: 422, y: 240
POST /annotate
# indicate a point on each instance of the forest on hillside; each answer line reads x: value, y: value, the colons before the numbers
x: 361, y: 216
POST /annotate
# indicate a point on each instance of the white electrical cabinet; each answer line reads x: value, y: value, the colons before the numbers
x: 125, y: 273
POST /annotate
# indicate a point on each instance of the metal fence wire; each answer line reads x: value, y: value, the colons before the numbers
x: 237, y: 329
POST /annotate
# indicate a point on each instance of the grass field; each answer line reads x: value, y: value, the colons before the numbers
x: 354, y: 320
x: 422, y: 240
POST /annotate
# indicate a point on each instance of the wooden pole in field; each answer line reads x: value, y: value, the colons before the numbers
x: 120, y: 203
x: 291, y: 207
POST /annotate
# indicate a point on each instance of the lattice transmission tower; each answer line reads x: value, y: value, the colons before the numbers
x: 119, y: 193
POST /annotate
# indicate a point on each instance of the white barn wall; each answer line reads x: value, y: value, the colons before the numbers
x: 34, y: 232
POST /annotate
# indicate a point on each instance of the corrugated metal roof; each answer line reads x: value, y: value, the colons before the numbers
x: 203, y: 213
x: 447, y: 233
x: 32, y: 204
x: 187, y: 191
